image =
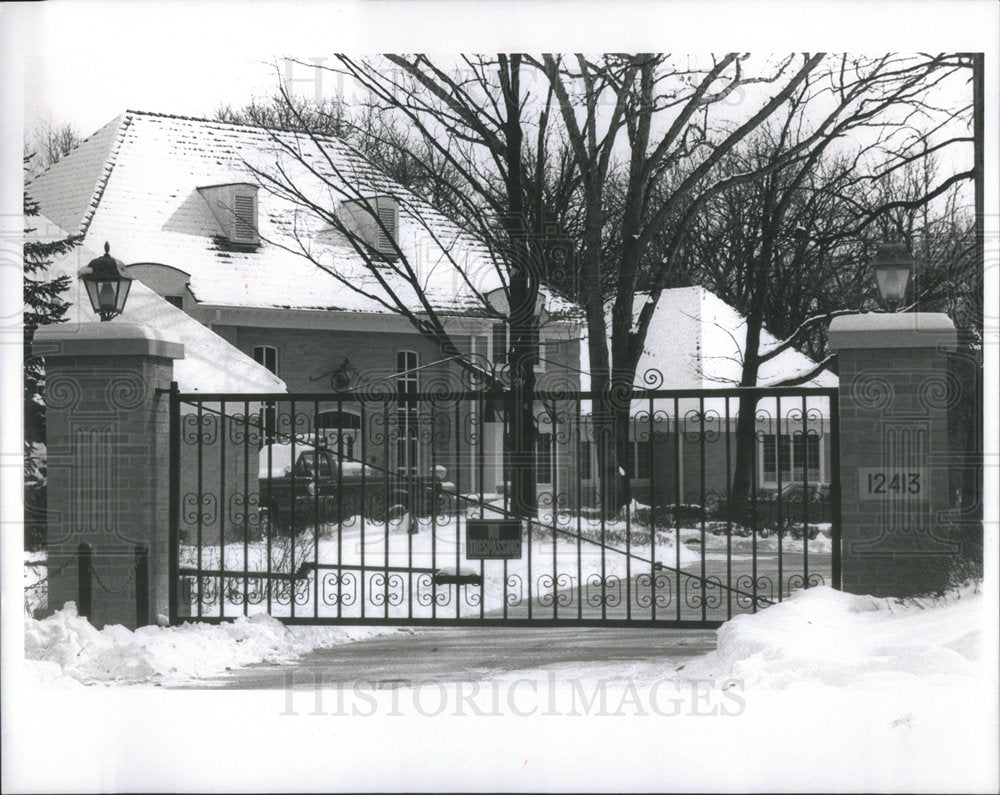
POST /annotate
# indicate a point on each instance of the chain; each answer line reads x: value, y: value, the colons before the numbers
x: 117, y: 589
x: 45, y: 565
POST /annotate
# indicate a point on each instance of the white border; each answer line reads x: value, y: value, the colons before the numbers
x: 141, y: 739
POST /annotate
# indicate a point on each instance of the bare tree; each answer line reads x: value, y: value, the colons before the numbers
x: 482, y: 148
x: 663, y: 112
x: 47, y: 144
x: 379, y: 137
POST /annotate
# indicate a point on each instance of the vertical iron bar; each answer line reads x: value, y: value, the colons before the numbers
x: 174, y: 507
x: 481, y: 463
x: 516, y: 477
x: 754, y: 524
x: 652, y: 513
x: 434, y: 486
x: 291, y: 522
x: 458, y: 490
x: 246, y: 509
x: 222, y: 509
x: 579, y: 517
x: 613, y: 451
x: 434, y: 531
x: 677, y: 501
x: 414, y: 490
x: 702, y: 441
x: 554, y: 468
x: 835, y: 562
x: 385, y: 483
x: 505, y: 466
x: 84, y: 580
x: 729, y: 516
x: 628, y: 517
x: 272, y: 507
x: 201, y: 497
x: 805, y: 494
x: 777, y: 466
x: 141, y: 585
x: 337, y: 505
x: 362, y: 410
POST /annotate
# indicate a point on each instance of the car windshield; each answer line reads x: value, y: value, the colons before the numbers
x: 315, y: 463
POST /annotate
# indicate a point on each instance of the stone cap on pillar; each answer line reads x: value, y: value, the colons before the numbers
x: 884, y: 331
x: 103, y: 339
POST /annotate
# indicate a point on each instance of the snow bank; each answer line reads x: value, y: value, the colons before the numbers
x: 67, y: 646
x: 834, y: 638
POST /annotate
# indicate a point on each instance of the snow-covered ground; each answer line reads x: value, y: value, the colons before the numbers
x: 65, y: 650
x: 826, y: 691
x: 568, y: 562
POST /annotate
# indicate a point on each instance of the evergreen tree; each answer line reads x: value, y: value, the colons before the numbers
x: 43, y: 305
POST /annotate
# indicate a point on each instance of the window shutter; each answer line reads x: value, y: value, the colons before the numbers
x: 387, y: 223
x: 244, y: 218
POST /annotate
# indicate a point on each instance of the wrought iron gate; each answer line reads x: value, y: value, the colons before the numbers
x: 357, y: 508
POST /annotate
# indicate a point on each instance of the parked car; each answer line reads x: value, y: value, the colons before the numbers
x: 797, y: 504
x: 761, y: 512
x: 322, y: 488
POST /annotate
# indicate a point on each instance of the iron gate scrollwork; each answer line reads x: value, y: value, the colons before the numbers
x: 351, y: 507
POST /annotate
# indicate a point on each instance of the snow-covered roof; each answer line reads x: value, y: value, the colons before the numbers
x: 135, y: 183
x: 210, y: 364
x: 696, y: 340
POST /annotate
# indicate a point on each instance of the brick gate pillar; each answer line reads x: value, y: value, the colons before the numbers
x: 895, y: 391
x: 107, y: 458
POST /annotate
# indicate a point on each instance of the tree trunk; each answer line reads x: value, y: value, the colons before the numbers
x: 746, y: 426
x: 524, y: 280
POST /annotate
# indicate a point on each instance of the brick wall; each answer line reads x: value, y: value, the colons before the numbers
x: 306, y: 358
x: 107, y: 463
x: 894, y: 418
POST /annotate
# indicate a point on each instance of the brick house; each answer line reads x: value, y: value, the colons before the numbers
x: 695, y: 343
x: 178, y: 200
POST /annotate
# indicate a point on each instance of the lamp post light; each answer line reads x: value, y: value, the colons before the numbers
x: 107, y: 284
x: 893, y: 266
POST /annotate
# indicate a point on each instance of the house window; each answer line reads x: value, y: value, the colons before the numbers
x: 638, y: 456
x: 407, y: 387
x: 794, y: 450
x: 176, y: 300
x: 806, y: 447
x: 501, y: 345
x: 341, y: 430
x: 266, y: 355
x: 583, y: 459
x: 543, y: 458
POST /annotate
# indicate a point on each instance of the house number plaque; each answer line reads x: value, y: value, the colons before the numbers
x: 893, y: 483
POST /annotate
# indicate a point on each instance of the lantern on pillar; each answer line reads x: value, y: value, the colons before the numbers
x: 893, y: 266
x: 107, y: 284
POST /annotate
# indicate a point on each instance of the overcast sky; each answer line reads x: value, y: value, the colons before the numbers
x: 84, y: 63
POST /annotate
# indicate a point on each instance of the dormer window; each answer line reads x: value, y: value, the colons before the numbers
x: 234, y: 206
x: 245, y: 218
x: 374, y: 220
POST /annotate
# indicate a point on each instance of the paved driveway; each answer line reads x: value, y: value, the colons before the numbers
x: 406, y: 659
